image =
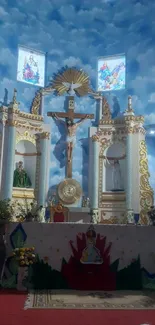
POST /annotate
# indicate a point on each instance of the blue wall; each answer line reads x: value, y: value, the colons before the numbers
x: 76, y: 33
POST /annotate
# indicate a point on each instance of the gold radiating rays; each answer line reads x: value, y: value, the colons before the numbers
x: 72, y: 75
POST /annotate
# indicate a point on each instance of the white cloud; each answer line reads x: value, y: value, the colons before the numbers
x: 152, y: 98
x: 56, y: 179
x: 53, y: 164
x: 150, y: 119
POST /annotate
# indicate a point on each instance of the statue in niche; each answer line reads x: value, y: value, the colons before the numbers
x: 21, y: 179
x: 116, y: 174
x: 91, y: 254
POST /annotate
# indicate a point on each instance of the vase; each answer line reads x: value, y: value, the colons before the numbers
x: 22, y: 274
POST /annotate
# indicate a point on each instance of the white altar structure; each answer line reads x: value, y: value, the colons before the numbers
x: 118, y: 167
x: 23, y: 138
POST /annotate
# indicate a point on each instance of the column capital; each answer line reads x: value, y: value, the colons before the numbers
x: 12, y: 123
x: 44, y: 135
x: 95, y: 138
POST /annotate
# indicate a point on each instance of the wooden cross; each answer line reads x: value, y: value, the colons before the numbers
x: 71, y: 126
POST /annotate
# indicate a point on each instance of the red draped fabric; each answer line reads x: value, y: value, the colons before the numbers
x: 58, y: 217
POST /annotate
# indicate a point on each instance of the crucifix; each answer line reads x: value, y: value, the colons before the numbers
x: 71, y: 127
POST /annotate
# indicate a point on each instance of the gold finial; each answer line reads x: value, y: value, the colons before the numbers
x: 106, y: 113
x: 14, y: 104
x: 14, y: 101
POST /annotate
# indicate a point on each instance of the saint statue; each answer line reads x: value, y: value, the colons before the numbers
x: 116, y: 175
x: 91, y: 254
x: 21, y: 179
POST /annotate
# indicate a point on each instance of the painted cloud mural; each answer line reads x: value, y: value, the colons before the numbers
x: 76, y: 33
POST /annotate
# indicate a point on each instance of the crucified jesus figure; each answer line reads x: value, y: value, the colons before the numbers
x: 71, y: 127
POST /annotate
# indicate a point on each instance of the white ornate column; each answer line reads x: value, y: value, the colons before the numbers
x: 44, y: 147
x: 129, y: 165
x: 13, y: 110
x: 129, y: 162
x: 98, y: 98
x: 95, y: 176
x: 3, y: 120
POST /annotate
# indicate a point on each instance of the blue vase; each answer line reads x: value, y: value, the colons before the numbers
x: 136, y: 218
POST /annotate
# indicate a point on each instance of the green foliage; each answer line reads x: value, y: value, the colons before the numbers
x: 6, y: 210
x: 130, y: 278
x: 43, y: 277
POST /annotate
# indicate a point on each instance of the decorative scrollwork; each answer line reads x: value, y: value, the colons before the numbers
x: 36, y: 103
x: 146, y: 192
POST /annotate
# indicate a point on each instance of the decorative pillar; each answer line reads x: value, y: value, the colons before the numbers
x: 44, y: 145
x: 3, y: 122
x: 10, y: 161
x: 129, y: 162
x: 98, y: 98
x: 95, y: 178
x: 13, y: 110
x: 129, y: 172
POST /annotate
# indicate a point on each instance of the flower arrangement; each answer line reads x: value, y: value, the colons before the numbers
x: 25, y: 256
x: 6, y: 210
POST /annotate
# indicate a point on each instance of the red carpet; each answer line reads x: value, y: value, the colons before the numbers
x: 12, y: 313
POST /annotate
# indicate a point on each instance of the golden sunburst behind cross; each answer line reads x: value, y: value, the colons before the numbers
x: 72, y: 81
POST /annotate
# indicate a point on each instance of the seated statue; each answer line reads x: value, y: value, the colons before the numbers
x: 91, y: 254
x: 21, y: 179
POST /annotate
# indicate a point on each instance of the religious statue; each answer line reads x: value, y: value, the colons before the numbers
x: 40, y: 214
x: 116, y: 174
x: 69, y: 123
x: 91, y: 254
x: 21, y: 179
x: 85, y: 202
x: 71, y: 132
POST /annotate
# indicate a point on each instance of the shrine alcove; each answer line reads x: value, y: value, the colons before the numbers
x: 114, y: 166
x: 26, y: 152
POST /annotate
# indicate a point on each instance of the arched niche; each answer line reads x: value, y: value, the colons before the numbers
x: 27, y: 153
x: 115, y: 151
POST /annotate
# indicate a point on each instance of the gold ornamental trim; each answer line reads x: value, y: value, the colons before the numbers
x: 44, y: 135
x: 23, y: 193
x: 27, y: 137
x: 113, y: 197
x: 95, y: 138
x: 69, y: 191
x: 146, y: 192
